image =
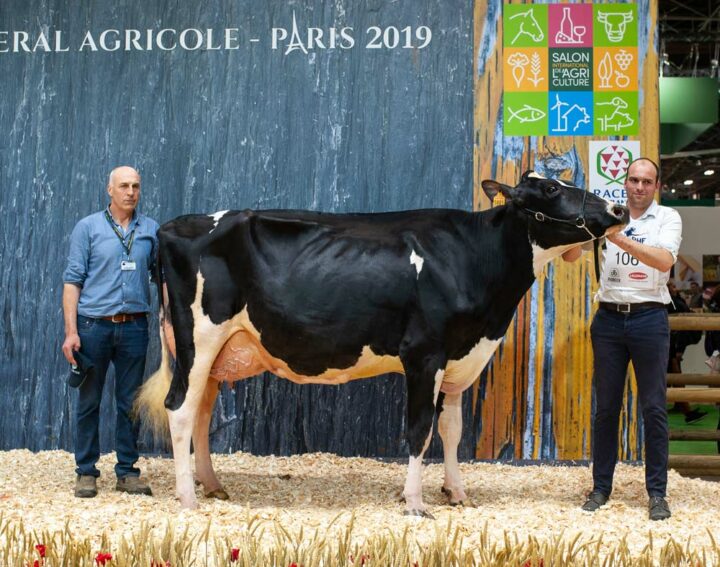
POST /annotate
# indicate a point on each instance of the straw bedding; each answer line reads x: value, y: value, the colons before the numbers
x: 320, y: 493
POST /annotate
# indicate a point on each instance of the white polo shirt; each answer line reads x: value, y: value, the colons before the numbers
x: 623, y: 278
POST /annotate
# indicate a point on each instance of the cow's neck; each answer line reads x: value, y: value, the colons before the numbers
x: 543, y: 256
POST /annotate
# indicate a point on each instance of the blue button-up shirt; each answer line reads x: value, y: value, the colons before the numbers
x: 94, y: 265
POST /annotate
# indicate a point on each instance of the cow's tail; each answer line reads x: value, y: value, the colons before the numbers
x: 150, y: 401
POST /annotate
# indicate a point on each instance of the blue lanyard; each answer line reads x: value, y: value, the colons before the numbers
x: 127, y: 247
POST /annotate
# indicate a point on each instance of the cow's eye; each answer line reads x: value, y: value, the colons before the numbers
x: 551, y: 189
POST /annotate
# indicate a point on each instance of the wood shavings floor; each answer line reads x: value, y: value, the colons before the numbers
x: 311, y: 491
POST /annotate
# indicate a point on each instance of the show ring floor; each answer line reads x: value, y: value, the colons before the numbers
x: 322, y: 492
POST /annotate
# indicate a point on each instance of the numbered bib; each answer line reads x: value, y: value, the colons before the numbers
x: 624, y: 271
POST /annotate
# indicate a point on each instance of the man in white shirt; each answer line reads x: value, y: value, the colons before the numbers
x: 631, y: 325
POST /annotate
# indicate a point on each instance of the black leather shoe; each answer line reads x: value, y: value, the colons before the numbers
x: 658, y: 507
x: 594, y: 500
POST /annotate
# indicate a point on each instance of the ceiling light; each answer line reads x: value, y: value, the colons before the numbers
x: 709, y: 172
x: 672, y: 191
x: 688, y: 182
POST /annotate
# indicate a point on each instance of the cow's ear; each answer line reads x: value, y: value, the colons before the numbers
x: 492, y: 188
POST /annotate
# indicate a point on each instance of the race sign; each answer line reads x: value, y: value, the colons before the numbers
x: 608, y: 165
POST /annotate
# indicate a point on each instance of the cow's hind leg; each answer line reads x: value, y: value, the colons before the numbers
x: 450, y: 428
x: 204, y: 472
x: 187, y: 392
x: 424, y: 376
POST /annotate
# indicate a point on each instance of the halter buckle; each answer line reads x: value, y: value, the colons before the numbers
x: 539, y: 217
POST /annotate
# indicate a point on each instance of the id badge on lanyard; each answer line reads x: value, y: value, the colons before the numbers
x: 125, y: 265
x: 624, y: 271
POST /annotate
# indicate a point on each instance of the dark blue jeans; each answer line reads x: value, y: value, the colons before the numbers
x: 643, y: 338
x: 125, y: 345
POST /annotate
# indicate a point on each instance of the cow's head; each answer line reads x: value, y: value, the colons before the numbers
x: 615, y: 24
x: 560, y: 214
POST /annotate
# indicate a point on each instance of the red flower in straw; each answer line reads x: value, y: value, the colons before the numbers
x: 102, y: 558
x: 40, y: 548
x: 234, y: 554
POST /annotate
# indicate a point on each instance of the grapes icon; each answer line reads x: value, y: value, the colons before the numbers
x: 623, y: 59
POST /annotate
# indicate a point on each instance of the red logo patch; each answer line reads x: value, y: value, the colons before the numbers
x: 637, y: 276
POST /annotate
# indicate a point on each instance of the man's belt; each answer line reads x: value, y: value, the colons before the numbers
x: 631, y: 307
x: 123, y: 317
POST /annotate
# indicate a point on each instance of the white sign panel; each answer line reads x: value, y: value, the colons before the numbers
x: 608, y: 165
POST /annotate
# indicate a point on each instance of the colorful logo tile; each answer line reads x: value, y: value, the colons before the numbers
x: 570, y: 25
x: 615, y: 25
x: 570, y: 113
x: 525, y: 114
x: 616, y: 114
x: 525, y: 25
x: 525, y: 69
x: 571, y: 69
x: 615, y: 69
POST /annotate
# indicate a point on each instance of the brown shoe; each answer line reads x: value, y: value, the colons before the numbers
x: 132, y: 485
x: 85, y: 486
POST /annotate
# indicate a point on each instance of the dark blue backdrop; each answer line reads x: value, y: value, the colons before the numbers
x: 334, y: 130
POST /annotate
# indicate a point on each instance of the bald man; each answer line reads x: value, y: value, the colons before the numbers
x: 106, y: 299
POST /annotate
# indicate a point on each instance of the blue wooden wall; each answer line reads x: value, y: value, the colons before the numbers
x: 333, y: 130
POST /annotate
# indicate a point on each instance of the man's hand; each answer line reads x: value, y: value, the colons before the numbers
x: 71, y: 296
x: 572, y: 254
x: 71, y: 344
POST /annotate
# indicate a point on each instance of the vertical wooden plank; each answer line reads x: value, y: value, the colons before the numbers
x: 546, y: 356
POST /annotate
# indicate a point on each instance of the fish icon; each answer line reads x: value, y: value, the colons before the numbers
x: 526, y: 114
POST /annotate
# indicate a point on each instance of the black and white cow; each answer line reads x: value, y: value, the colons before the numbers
x: 327, y: 298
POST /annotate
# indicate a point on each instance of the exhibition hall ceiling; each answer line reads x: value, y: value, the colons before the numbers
x: 690, y: 47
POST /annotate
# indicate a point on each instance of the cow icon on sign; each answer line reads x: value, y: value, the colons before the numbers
x: 615, y: 24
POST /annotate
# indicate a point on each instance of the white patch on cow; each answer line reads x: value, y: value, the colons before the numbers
x: 416, y: 261
x: 450, y: 428
x: 536, y: 175
x: 368, y: 364
x: 563, y: 183
x: 439, y: 375
x: 413, y: 482
x: 460, y: 374
x: 216, y: 217
x: 541, y: 256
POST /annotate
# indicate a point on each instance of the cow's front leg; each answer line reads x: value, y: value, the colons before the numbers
x: 424, y: 376
x: 204, y: 472
x: 450, y: 429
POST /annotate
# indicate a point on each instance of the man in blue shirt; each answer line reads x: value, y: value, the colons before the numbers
x: 106, y: 299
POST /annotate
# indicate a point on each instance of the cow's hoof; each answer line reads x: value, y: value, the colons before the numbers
x: 188, y: 503
x: 447, y: 492
x: 419, y: 514
x: 217, y: 494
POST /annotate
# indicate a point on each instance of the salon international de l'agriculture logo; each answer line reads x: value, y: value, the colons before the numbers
x: 570, y: 69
